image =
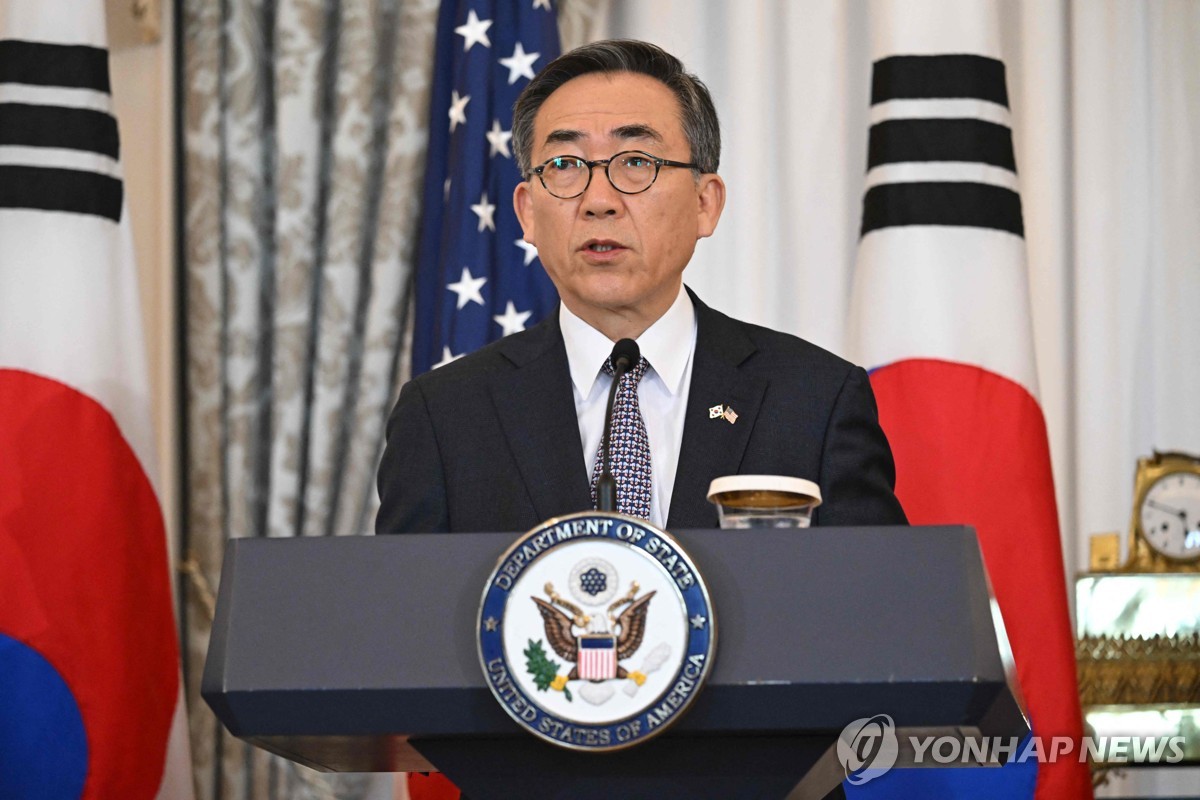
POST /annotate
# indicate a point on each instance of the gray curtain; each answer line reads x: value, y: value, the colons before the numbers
x: 304, y: 145
x: 305, y: 134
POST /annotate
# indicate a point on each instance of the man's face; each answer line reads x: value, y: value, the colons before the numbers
x: 617, y: 257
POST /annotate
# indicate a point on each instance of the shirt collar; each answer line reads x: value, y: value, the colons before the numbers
x: 660, y: 344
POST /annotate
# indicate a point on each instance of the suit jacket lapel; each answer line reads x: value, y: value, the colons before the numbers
x: 713, y: 447
x: 536, y: 408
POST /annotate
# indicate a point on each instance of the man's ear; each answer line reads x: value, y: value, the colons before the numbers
x: 523, y: 205
x: 711, y: 196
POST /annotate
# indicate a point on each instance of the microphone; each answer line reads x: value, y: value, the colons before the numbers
x: 625, y: 355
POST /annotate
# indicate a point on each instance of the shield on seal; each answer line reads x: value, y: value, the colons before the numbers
x: 597, y: 656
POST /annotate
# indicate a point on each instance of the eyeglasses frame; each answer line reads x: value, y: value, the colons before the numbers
x: 659, y: 163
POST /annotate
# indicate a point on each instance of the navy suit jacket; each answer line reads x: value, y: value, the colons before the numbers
x: 491, y: 442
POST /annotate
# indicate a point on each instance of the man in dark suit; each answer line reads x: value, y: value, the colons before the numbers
x: 505, y: 438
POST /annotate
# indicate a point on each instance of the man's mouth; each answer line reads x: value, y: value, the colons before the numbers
x: 601, y: 246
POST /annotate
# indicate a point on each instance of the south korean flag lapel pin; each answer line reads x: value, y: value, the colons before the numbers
x: 722, y: 411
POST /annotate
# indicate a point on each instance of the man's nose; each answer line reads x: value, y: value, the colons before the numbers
x: 601, y: 198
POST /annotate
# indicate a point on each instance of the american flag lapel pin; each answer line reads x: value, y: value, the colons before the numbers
x: 730, y: 415
x: 716, y: 412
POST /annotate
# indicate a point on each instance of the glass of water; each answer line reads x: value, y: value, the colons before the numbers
x: 764, y: 501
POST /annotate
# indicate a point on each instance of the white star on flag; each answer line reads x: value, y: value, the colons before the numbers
x: 474, y: 31
x: 485, y: 211
x: 541, y: 4
x: 467, y: 288
x: 458, y: 109
x: 520, y: 64
x: 498, y: 138
x: 447, y: 357
x: 512, y: 321
x: 530, y: 250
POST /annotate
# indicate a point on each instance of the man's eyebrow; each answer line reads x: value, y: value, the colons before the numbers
x: 638, y: 131
x: 565, y: 136
x: 634, y: 131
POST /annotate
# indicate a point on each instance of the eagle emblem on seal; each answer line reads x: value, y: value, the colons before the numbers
x: 605, y: 638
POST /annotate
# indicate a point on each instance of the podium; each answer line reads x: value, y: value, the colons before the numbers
x: 359, y: 654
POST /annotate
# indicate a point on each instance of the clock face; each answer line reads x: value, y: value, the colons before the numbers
x: 1170, y: 516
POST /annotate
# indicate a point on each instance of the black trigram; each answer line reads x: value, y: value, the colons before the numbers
x: 940, y: 150
x: 59, y: 147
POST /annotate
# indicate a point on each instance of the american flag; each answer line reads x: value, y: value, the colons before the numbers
x: 597, y: 657
x: 477, y: 280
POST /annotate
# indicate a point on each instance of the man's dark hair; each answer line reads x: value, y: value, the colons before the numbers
x: 699, y: 116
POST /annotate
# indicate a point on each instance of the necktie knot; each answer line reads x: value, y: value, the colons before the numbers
x: 634, y: 375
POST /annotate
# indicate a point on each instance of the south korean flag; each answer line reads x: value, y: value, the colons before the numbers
x: 90, y: 692
x: 941, y: 316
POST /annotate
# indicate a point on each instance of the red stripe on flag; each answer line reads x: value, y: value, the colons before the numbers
x: 971, y: 448
x: 82, y: 527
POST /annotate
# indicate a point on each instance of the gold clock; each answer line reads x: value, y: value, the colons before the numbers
x: 1165, y: 527
x: 1138, y: 632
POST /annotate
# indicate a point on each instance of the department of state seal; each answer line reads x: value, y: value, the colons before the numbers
x: 596, y: 631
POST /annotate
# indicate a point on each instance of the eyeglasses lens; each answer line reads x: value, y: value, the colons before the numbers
x: 631, y: 172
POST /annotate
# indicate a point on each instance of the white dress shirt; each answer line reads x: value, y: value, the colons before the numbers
x: 668, y: 346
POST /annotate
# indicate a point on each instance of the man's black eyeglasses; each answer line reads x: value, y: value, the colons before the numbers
x: 629, y: 172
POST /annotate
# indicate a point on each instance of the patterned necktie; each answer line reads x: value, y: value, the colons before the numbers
x: 630, y: 446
